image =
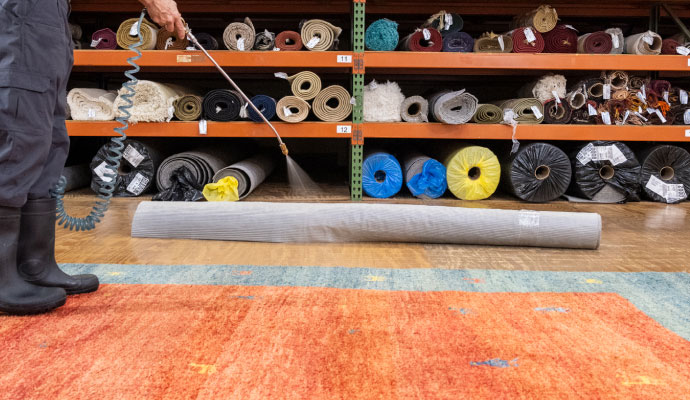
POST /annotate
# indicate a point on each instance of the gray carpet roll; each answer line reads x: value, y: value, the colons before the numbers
x: 203, y: 164
x: 78, y: 176
x: 352, y: 222
x: 453, y: 107
x: 250, y: 173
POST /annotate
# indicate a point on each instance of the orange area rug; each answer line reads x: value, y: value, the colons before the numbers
x: 239, y: 342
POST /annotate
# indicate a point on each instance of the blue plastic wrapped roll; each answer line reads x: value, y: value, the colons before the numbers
x: 425, y: 177
x: 382, y: 35
x: 382, y: 176
x: 267, y: 106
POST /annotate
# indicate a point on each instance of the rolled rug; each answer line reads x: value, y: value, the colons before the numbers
x: 152, y: 101
x: 488, y: 114
x: 617, y: 110
x: 637, y: 82
x: 206, y: 41
x: 382, y: 35
x: 453, y: 107
x: 222, y: 105
x: 327, y: 113
x: 250, y: 173
x: 681, y: 38
x: 617, y: 79
x: 543, y: 19
x: 90, y: 104
x: 645, y: 43
x: 320, y: 35
x: 562, y: 39
x: 415, y: 109
x: 382, y: 176
x: 586, y: 114
x: 127, y: 34
x: 458, y: 42
x: 595, y: 43
x: 427, y: 39
x: 265, y: 104
x: 265, y: 41
x: 188, y: 107
x: 472, y: 172
x: 169, y: 41
x: 382, y: 102
x: 545, y: 88
x: 679, y: 97
x: 305, y: 85
x: 606, y: 172
x: 557, y: 112
x: 104, y: 39
x: 424, y: 176
x: 538, y: 172
x: 666, y: 118
x: 239, y: 36
x: 527, y: 40
x: 202, y: 165
x: 576, y: 99
x: 620, y: 95
x: 292, y: 109
x: 661, y: 88
x: 445, y: 23
x: 137, y: 171
x: 665, y: 173
x: 681, y: 115
x: 75, y: 31
x: 669, y: 46
x: 593, y: 88
x: 617, y: 40
x: 490, y: 42
x: 525, y: 110
x: 289, y: 41
x: 77, y: 176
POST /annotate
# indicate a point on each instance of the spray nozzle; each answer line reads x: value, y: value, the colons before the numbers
x: 284, y: 149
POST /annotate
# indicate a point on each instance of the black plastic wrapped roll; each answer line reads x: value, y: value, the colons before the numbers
x: 137, y: 170
x: 665, y: 174
x: 206, y: 41
x: 538, y: 172
x: 606, y: 172
x: 222, y: 105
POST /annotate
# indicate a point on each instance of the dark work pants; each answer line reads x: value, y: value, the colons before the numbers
x: 35, y: 63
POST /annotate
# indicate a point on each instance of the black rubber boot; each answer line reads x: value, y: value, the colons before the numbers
x: 16, y: 295
x: 36, y: 253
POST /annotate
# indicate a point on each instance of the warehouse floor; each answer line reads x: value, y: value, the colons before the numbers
x: 636, y: 237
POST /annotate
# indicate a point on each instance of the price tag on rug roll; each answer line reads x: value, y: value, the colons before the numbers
x: 555, y: 96
x: 683, y: 97
x: 666, y: 96
x: 501, y: 43
x: 281, y: 75
x: 91, y: 113
x: 591, y: 110
x: 606, y: 117
x: 660, y: 115
x: 427, y: 34
x: 682, y: 50
x: 529, y: 35
x: 641, y: 97
x: 344, y: 129
x: 344, y: 59
x: 448, y: 19
x: 625, y: 117
x: 138, y: 184
x: 686, y: 117
x: 133, y: 29
x: 313, y: 42
x: 133, y: 156
x: 607, y: 92
x: 640, y: 116
x: 240, y: 44
x: 648, y: 39
x: 615, y: 40
x: 537, y: 112
x: 95, y: 43
x: 287, y: 112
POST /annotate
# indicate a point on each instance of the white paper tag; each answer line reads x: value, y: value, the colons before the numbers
x: 584, y: 91
x: 537, y: 112
x: 281, y: 75
x: 138, y: 184
x: 615, y: 40
x: 344, y: 129
x: 585, y: 155
x: 313, y: 42
x: 661, y: 116
x: 448, y: 21
x: 555, y: 96
x: 91, y: 113
x: 571, y: 27
x: 529, y: 35
x: 606, y: 117
x: 648, y: 39
x: 427, y: 34
x: 607, y: 91
x: 344, y: 59
x: 592, y: 111
x: 171, y: 114
x: 218, y: 109
x: 644, y: 93
x: 671, y: 192
x: 687, y: 131
x: 682, y: 50
x: 528, y: 218
x: 639, y: 109
x: 101, y: 170
x: 203, y: 127
x: 287, y: 111
x: 602, y: 153
x: 190, y: 48
x: 666, y: 96
x: 373, y: 85
x: 683, y: 97
x: 243, y: 111
x: 133, y: 156
x: 617, y: 155
x: 501, y: 43
x: 639, y: 115
x: 686, y: 119
x: 133, y: 29
x: 240, y: 44
x: 625, y: 117
x: 642, y: 98
x: 276, y: 49
x: 353, y: 101
x: 168, y: 43
x: 95, y: 43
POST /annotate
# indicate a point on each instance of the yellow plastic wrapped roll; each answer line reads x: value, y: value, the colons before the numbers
x: 473, y: 173
x: 223, y: 190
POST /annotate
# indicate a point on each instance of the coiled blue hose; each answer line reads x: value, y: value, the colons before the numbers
x: 114, y: 157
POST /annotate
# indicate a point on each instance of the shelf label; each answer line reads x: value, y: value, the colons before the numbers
x: 184, y: 58
x: 203, y: 127
x: 688, y: 62
x: 344, y: 59
x: 346, y: 129
x: 687, y: 133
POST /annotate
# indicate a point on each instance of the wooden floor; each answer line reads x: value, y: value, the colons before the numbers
x: 636, y: 237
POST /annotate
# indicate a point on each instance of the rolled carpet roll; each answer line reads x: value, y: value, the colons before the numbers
x: 239, y: 36
x: 327, y: 113
x: 445, y: 23
x: 669, y: 46
x: 126, y: 34
x: 264, y: 41
x: 525, y: 110
x: 645, y: 43
x: 415, y: 109
x: 188, y: 107
x: 488, y: 114
x: 595, y: 43
x: 538, y: 172
x: 660, y: 87
x: 265, y: 104
x: 222, y: 105
x: 382, y: 102
x: 527, y: 40
x: 681, y: 115
x: 593, y: 88
x: 206, y: 41
x: 77, y: 176
x: 203, y: 164
x: 637, y: 82
x: 472, y: 172
x: 617, y: 40
x: 382, y: 176
x: 289, y: 41
x: 104, y: 39
x: 543, y: 19
x: 305, y: 85
x: 576, y: 99
x: 75, y: 31
x: 152, y: 101
x: 681, y: 38
x: 137, y: 171
x: 89, y: 104
x: 292, y: 109
x: 543, y: 88
x: 583, y: 116
x: 250, y: 173
x: 427, y: 40
x: 320, y: 35
x: 490, y: 42
x: 665, y: 173
x: 606, y: 172
x: 453, y: 107
x: 617, y: 79
x: 557, y: 112
x: 169, y: 41
x: 458, y: 42
x: 562, y: 39
x: 382, y: 35
x: 424, y: 176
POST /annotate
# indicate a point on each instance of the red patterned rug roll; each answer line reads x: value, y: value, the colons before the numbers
x: 668, y: 46
x: 562, y: 39
x: 289, y: 41
x: 595, y: 43
x: 523, y: 44
x: 427, y: 39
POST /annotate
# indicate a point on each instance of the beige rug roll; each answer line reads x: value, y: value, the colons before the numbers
x: 419, y: 104
x: 488, y: 114
x: 305, y: 85
x: 320, y: 35
x: 92, y: 104
x: 543, y: 19
x: 149, y: 34
x: 543, y: 88
x: 523, y: 110
x: 152, y: 101
x: 490, y: 42
x: 326, y: 113
x: 292, y: 109
x: 240, y: 36
x: 576, y: 99
x: 617, y: 79
x: 645, y: 43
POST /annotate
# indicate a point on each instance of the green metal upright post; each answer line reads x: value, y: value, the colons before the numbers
x: 357, y: 147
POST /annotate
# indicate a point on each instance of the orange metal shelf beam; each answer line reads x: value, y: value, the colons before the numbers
x: 405, y: 61
x: 527, y: 132
x: 214, y: 129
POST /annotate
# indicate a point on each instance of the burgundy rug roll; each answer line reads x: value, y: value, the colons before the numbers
x: 289, y: 41
x: 660, y: 86
x: 417, y: 42
x: 562, y: 39
x: 595, y: 43
x: 104, y: 39
x: 668, y: 46
x: 522, y: 45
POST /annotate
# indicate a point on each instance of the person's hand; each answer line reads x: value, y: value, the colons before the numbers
x: 165, y: 14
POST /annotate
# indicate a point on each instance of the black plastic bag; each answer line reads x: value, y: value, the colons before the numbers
x: 183, y: 187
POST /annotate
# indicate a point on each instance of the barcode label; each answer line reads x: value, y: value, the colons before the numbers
x: 133, y: 156
x: 101, y: 170
x: 138, y: 184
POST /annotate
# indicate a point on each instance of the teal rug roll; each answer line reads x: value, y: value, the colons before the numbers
x: 382, y: 35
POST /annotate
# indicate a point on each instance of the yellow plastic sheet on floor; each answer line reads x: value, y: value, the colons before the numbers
x: 223, y: 190
x: 473, y: 173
